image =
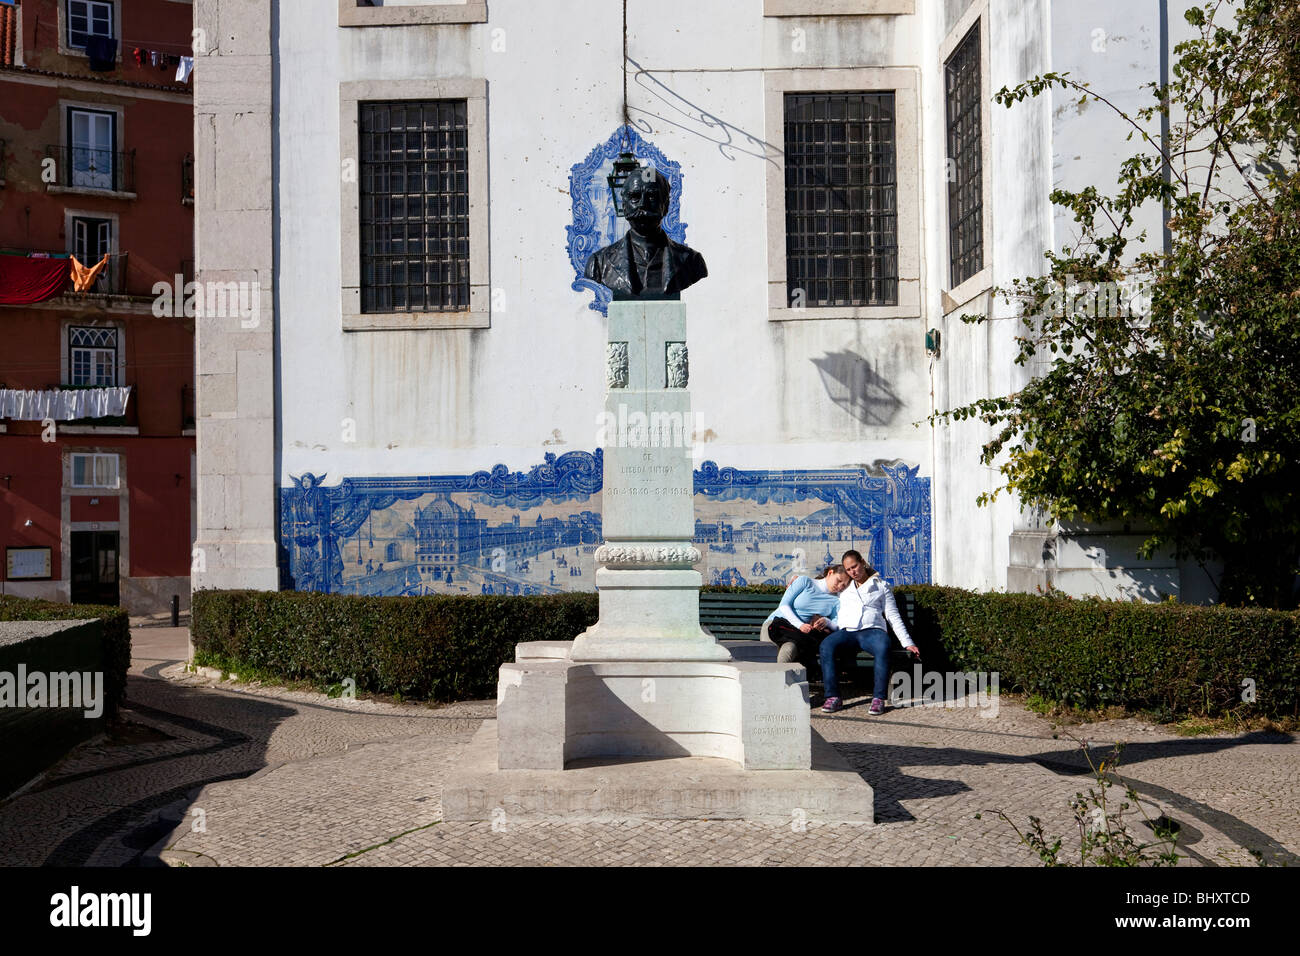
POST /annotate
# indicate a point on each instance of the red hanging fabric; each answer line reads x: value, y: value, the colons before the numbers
x: 24, y: 280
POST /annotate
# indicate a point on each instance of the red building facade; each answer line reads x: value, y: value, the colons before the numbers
x: 96, y: 386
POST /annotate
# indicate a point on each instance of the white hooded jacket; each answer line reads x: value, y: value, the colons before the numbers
x: 868, y: 605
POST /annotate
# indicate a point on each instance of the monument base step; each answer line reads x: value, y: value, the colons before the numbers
x: 607, y: 790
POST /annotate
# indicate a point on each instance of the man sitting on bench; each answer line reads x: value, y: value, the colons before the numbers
x: 864, y: 607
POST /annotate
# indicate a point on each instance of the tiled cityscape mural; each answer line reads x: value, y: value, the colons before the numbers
x: 502, y: 532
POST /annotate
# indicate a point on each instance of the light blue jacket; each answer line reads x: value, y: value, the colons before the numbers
x: 804, y: 600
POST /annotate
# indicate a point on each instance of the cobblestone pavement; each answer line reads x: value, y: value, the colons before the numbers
x: 222, y: 774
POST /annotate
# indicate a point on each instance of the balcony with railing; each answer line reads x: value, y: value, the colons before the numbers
x: 112, y: 280
x: 111, y: 288
x: 130, y: 417
x: 79, y: 169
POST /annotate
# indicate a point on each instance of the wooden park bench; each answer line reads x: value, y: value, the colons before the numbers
x: 739, y: 616
x: 736, y: 616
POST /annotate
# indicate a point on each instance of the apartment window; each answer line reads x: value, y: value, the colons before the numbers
x: 92, y: 356
x: 92, y: 239
x: 841, y: 204
x: 414, y: 206
x: 87, y: 18
x: 92, y: 141
x: 94, y: 471
x: 965, y: 193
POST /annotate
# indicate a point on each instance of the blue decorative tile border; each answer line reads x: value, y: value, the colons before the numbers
x: 504, y: 532
x: 595, y: 224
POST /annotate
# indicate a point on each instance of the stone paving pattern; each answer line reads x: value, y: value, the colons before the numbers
x: 293, y: 778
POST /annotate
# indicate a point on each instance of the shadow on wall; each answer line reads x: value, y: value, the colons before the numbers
x: 730, y: 140
x: 1153, y: 590
x: 856, y: 387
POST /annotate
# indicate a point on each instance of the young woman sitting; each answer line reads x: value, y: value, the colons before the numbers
x: 806, y: 615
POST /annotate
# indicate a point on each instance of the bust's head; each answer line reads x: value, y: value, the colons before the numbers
x: 645, y: 198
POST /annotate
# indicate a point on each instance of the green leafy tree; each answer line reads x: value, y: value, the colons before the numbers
x: 1166, y: 385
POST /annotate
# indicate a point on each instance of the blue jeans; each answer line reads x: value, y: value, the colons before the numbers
x: 873, y: 640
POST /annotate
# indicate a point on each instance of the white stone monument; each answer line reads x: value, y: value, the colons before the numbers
x: 645, y: 714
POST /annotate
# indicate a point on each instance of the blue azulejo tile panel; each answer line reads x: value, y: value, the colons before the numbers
x: 503, y: 532
x: 759, y: 527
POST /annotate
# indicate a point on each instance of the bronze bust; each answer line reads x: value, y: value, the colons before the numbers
x: 645, y: 262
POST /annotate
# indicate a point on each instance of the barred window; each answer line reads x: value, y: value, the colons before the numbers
x: 965, y: 191
x: 841, y: 199
x: 414, y: 212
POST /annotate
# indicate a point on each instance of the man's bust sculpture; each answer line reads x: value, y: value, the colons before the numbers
x: 645, y: 262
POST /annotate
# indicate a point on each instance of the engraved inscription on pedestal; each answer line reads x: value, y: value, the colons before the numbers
x: 624, y: 556
x: 616, y: 365
x: 676, y: 371
x: 776, y: 725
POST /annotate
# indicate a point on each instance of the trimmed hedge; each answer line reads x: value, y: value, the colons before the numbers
x: 116, y: 636
x: 439, y: 647
x: 1170, y: 658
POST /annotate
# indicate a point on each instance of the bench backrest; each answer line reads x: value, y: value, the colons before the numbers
x: 736, y: 616
x: 740, y: 616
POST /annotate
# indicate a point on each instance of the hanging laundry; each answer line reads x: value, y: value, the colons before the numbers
x: 139, y: 54
x: 83, y: 277
x: 154, y: 57
x: 24, y: 281
x: 63, y: 404
x: 183, y: 71
x: 102, y: 52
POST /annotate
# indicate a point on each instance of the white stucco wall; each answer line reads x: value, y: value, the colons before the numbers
x: 453, y: 401
x: 448, y: 401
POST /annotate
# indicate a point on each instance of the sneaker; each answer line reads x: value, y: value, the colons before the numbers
x: 831, y: 705
x: 877, y: 707
x: 787, y: 653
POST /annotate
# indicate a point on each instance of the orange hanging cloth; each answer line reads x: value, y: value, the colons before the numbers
x: 83, y: 277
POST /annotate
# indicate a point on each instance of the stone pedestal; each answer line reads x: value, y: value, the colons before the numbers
x: 645, y: 714
x: 671, y: 788
x: 552, y: 710
x: 649, y: 590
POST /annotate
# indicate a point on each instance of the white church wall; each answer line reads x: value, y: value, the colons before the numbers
x: 834, y: 396
x: 977, y: 361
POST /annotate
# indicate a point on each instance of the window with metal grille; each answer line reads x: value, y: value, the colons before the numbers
x: 841, y: 199
x: 414, y: 213
x: 87, y: 18
x: 965, y: 190
x: 92, y: 356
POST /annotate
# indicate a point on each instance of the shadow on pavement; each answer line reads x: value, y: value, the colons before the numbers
x: 222, y: 736
x: 881, y: 766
